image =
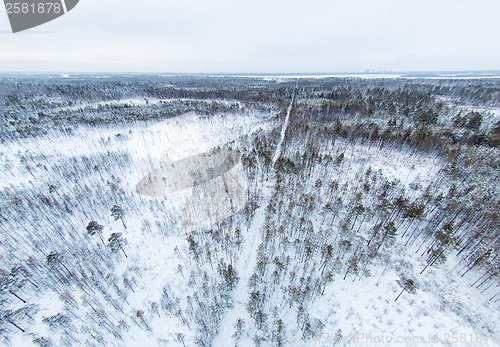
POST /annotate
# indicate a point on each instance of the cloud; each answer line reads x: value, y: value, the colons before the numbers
x: 260, y: 36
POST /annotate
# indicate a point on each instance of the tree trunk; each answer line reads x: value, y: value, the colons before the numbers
x: 349, y: 268
x: 17, y: 326
x: 17, y: 296
x: 121, y: 247
x: 399, y: 295
x: 121, y: 218
x: 100, y: 237
x: 494, y: 296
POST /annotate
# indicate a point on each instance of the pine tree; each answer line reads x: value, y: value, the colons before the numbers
x: 239, y: 328
x: 95, y: 228
x: 115, y: 243
x: 117, y: 213
x: 408, y: 285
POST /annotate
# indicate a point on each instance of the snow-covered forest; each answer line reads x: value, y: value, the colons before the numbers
x: 357, y: 211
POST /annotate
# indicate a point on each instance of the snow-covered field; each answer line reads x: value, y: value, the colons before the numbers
x: 161, y: 251
x: 169, y: 283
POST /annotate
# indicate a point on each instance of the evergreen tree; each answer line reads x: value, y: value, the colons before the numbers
x: 408, y: 285
x: 117, y: 213
x: 115, y: 243
x: 95, y: 228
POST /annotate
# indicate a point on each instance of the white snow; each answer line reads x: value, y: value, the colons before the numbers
x: 445, y: 308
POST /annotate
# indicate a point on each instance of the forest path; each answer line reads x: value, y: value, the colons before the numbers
x: 247, y: 259
x: 277, y: 153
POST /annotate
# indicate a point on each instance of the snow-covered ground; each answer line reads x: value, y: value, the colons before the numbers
x: 158, y: 253
x: 357, y: 311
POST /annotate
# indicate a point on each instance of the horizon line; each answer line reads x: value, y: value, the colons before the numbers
x: 366, y: 72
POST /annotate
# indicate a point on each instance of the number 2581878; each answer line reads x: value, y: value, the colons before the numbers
x: 25, y: 8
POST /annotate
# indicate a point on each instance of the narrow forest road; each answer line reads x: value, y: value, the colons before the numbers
x: 247, y: 259
x: 277, y: 152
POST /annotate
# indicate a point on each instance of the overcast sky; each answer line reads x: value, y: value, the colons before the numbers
x: 250, y: 36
